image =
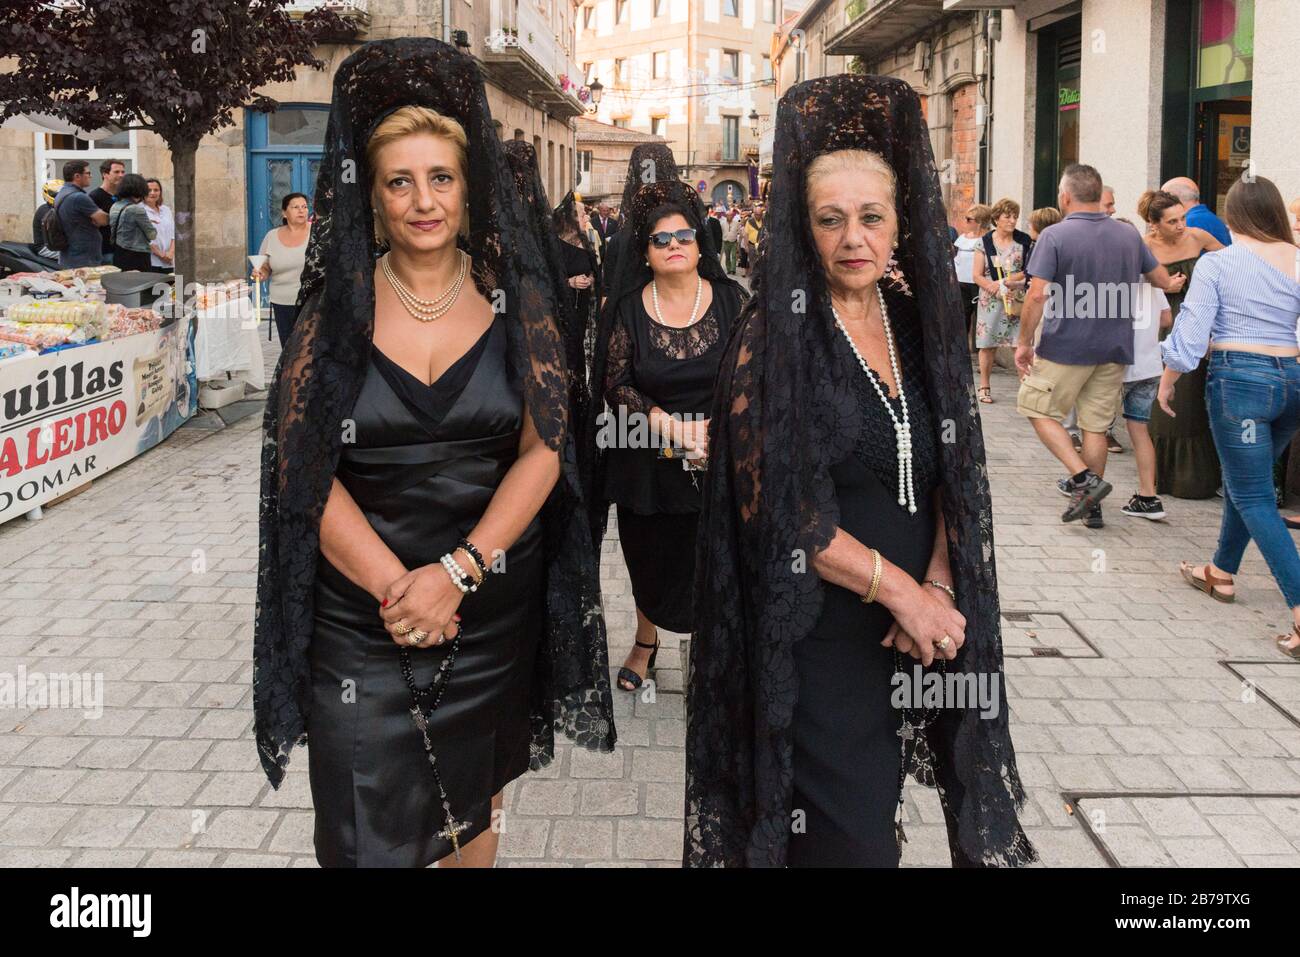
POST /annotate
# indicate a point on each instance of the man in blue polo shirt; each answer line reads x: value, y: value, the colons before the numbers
x: 79, y: 217
x: 1084, y: 275
x: 1198, y: 214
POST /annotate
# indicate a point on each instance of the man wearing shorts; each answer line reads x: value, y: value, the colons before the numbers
x: 1084, y: 274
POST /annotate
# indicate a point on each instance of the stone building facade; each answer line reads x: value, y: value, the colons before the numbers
x: 698, y: 74
x: 242, y: 170
x: 603, y: 154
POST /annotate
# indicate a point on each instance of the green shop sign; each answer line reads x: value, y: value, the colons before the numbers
x: 1067, y: 98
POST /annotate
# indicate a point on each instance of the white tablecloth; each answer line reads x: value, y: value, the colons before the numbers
x: 226, y: 341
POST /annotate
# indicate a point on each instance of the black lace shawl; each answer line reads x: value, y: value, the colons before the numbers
x: 649, y: 163
x: 522, y: 158
x: 323, y: 366
x: 629, y: 280
x: 581, y: 341
x: 784, y: 412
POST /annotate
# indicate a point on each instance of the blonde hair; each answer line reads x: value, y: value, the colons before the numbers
x: 412, y: 121
x: 982, y: 215
x: 864, y: 161
x: 1040, y: 219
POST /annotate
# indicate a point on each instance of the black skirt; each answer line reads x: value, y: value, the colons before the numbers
x: 660, y: 555
x: 426, y: 463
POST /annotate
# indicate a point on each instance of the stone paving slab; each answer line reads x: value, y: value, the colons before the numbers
x: 146, y: 581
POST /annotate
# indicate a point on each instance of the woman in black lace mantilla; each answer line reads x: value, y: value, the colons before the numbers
x: 416, y: 386
x: 662, y: 335
x: 846, y: 463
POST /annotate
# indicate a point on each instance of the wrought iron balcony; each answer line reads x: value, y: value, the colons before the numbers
x: 524, y: 54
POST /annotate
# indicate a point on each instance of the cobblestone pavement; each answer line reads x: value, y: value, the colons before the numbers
x: 1153, y: 726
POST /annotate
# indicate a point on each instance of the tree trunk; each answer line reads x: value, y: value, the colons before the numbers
x: 183, y: 156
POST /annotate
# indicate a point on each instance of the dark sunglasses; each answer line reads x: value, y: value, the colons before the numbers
x: 683, y: 236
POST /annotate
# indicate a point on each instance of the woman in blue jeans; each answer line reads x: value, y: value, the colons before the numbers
x: 1243, y: 305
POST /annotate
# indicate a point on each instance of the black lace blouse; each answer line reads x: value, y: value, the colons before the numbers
x: 651, y: 364
x: 876, y: 446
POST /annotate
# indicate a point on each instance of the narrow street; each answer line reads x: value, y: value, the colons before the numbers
x: 1153, y: 726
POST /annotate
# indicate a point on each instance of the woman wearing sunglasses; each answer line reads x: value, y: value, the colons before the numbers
x: 661, y: 336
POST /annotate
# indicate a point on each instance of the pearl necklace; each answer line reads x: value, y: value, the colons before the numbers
x: 426, y: 310
x: 903, y: 428
x: 699, y: 291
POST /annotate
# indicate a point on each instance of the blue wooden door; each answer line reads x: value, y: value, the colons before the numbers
x: 284, y: 152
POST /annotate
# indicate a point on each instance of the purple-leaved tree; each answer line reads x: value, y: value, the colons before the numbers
x: 178, y: 68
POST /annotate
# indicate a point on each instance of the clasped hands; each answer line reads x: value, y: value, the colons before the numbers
x: 423, y: 602
x: 920, y: 628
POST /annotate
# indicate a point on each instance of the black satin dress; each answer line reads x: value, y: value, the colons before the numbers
x: 846, y: 743
x: 425, y: 464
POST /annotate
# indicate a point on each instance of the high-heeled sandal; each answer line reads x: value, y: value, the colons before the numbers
x: 1210, y: 584
x: 1281, y: 640
x: 631, y: 677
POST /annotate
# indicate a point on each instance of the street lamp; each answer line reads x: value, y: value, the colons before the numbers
x: 596, y: 90
x: 753, y: 122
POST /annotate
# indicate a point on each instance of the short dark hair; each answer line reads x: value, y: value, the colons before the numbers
x: 107, y: 166
x: 289, y: 198
x: 660, y: 212
x: 74, y: 168
x: 1254, y: 208
x: 1082, y: 182
x: 133, y: 186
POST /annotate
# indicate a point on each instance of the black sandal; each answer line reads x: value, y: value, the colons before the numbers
x: 630, y: 676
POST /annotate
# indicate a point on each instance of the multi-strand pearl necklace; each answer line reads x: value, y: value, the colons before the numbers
x: 699, y: 291
x: 903, y: 427
x: 426, y: 310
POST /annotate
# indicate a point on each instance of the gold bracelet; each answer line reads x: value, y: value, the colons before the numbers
x: 472, y: 569
x: 876, y: 568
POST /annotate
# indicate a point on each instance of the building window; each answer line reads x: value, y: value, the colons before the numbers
x: 729, y: 8
x: 731, y: 64
x: 730, y: 138
x: 621, y: 122
x: 586, y: 73
x: 659, y: 64
x: 661, y: 7
x: 767, y: 67
x: 620, y: 65
x: 657, y: 125
x: 769, y: 11
x: 1225, y: 43
x: 584, y: 161
x: 620, y: 11
x: 586, y: 17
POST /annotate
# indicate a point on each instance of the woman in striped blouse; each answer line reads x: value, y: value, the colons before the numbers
x: 1243, y: 306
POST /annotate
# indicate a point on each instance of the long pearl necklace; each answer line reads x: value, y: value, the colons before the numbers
x: 903, y: 428
x: 426, y: 310
x: 699, y: 291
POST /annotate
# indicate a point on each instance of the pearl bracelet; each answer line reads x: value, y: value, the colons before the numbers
x: 457, y: 574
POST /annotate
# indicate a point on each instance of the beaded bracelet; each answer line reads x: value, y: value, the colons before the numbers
x: 457, y: 574
x: 944, y: 588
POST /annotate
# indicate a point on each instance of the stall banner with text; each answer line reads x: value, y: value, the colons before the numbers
x: 69, y: 416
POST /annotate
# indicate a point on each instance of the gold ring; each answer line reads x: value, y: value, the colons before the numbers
x: 402, y: 628
x: 943, y: 645
x: 412, y: 639
x: 419, y: 635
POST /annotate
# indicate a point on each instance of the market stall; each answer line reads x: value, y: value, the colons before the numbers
x: 85, y: 385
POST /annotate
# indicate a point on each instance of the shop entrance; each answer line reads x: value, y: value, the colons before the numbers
x: 1223, y: 148
x: 1056, y: 143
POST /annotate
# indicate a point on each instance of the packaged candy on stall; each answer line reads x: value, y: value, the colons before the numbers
x: 11, y: 350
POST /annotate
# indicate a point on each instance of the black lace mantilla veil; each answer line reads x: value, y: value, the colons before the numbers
x: 565, y: 214
x: 631, y: 277
x: 522, y: 158
x: 784, y: 412
x: 324, y: 364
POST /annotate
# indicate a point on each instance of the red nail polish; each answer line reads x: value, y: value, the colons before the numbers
x: 384, y: 603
